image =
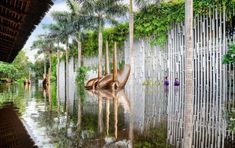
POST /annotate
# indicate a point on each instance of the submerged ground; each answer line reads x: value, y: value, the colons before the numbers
x: 87, y: 119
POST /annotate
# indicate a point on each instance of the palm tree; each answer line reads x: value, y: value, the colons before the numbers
x: 98, y: 13
x: 61, y: 31
x: 44, y: 46
x: 188, y: 107
x: 38, y: 54
x: 107, y: 71
x: 77, y: 23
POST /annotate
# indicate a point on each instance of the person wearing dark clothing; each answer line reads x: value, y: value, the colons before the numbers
x: 166, y: 82
x: 177, y: 82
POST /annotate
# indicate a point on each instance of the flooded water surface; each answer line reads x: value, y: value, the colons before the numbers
x: 105, y: 119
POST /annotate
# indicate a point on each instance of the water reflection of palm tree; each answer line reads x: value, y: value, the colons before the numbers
x: 107, y: 116
x: 47, y: 97
x: 27, y: 86
x: 100, y: 114
x: 27, y: 92
x: 115, y: 107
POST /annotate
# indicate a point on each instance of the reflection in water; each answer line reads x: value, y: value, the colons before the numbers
x: 118, y: 99
x: 151, y: 117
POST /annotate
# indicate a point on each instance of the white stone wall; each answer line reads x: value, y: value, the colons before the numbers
x: 72, y: 81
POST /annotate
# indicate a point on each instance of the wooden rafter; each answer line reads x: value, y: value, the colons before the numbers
x: 2, y: 52
x: 17, y: 12
x: 9, y: 28
x: 11, y: 20
x: 18, y: 19
x: 6, y: 43
x: 3, y: 38
x: 8, y: 32
x: 6, y: 48
x: 8, y: 35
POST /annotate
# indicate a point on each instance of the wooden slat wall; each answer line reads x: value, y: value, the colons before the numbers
x: 213, y: 81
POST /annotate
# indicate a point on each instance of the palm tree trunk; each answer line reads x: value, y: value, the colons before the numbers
x: 131, y: 50
x: 115, y: 62
x: 67, y: 78
x: 45, y: 70
x: 49, y: 72
x: 79, y: 51
x: 58, y: 79
x: 131, y: 36
x: 107, y: 71
x: 29, y: 75
x: 49, y: 83
x: 188, y: 108
x: 79, y: 120
x: 100, y: 42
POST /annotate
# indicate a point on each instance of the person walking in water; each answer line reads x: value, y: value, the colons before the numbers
x: 166, y: 88
x: 166, y: 81
x: 177, y: 82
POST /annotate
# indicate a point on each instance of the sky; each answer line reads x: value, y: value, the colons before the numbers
x: 59, y: 5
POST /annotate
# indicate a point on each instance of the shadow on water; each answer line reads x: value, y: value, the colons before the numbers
x: 148, y: 118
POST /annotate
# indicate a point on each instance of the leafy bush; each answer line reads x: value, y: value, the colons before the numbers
x: 153, y: 23
x: 8, y: 71
x: 229, y: 58
x: 81, y: 77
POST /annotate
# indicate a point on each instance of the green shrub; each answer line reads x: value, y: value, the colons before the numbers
x: 229, y: 58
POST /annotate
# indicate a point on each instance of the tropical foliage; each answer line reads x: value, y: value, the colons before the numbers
x: 154, y: 21
x: 18, y: 70
x: 38, y: 68
x: 101, y: 12
x: 7, y: 71
x: 151, y: 21
x: 81, y: 77
x: 229, y: 57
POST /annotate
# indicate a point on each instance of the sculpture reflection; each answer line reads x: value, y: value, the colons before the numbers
x: 119, y: 98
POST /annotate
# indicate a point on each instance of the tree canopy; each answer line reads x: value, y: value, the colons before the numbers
x: 18, y: 69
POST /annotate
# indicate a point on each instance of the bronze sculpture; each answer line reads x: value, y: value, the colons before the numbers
x: 115, y: 81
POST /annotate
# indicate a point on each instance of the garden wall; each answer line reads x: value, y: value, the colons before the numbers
x: 214, y: 91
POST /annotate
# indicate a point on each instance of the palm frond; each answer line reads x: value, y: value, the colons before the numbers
x: 73, y: 6
x: 143, y: 4
x: 102, y: 11
x: 87, y: 6
x: 117, y: 10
